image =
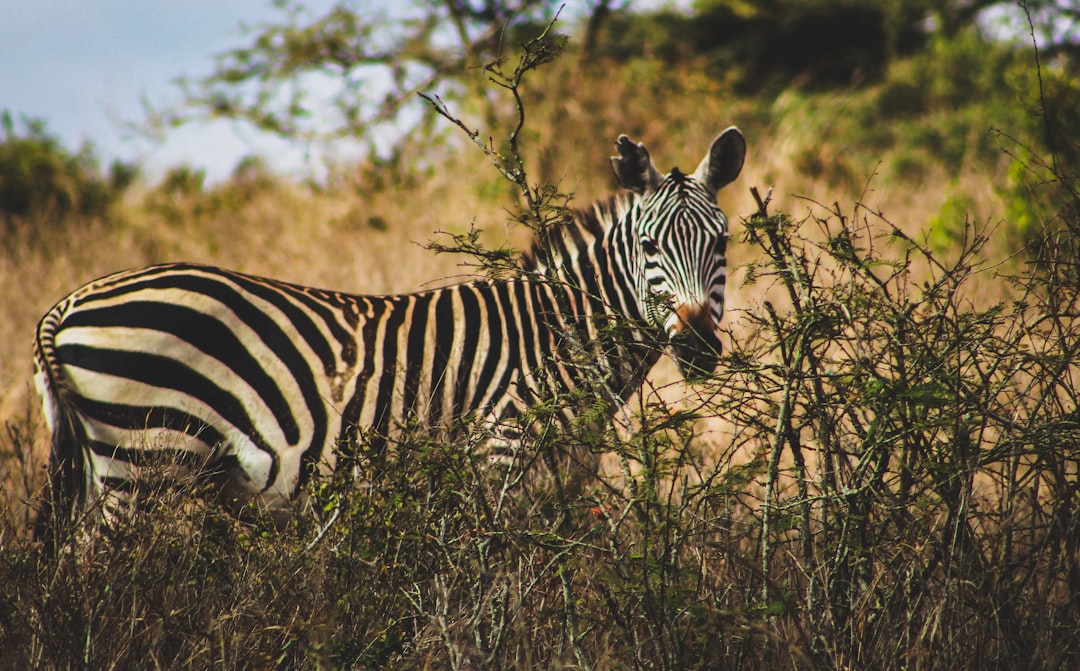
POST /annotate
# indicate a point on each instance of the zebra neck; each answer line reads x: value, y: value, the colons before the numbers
x: 599, y: 316
x: 589, y: 267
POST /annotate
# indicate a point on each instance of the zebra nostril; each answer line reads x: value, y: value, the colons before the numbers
x: 696, y: 356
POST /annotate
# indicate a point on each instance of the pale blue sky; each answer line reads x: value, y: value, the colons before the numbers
x: 84, y: 66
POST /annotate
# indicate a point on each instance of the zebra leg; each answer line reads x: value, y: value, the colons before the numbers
x: 112, y: 485
x: 71, y: 483
x: 153, y: 465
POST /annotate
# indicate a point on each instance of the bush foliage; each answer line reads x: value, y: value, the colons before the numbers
x: 894, y: 486
x: 41, y: 180
x: 882, y: 473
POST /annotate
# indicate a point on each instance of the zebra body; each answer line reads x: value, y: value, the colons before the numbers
x: 262, y: 379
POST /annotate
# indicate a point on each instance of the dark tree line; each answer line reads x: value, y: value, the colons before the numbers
x: 371, y: 65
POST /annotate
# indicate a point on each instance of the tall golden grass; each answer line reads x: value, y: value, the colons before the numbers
x: 724, y: 534
x: 351, y: 236
x: 881, y: 473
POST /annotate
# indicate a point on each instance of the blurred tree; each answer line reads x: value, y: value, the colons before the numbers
x: 810, y: 43
x: 1056, y: 22
x: 39, y: 177
x: 352, y: 69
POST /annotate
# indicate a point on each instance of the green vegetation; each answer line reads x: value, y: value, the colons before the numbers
x: 41, y: 180
x: 883, y: 473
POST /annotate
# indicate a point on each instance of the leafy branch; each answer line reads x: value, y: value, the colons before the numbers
x: 349, y: 71
x: 539, y: 51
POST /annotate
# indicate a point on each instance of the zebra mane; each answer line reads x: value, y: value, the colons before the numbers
x: 577, y: 232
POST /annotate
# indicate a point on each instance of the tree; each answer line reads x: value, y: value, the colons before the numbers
x: 40, y: 178
x: 350, y: 71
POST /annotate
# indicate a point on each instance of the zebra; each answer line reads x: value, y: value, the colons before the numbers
x: 265, y: 380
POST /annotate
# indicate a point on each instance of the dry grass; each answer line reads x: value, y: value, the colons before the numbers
x: 359, y: 238
x: 878, y: 501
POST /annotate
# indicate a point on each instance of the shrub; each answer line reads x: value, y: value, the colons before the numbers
x: 891, y: 454
x: 183, y: 192
x: 43, y: 181
x: 881, y: 474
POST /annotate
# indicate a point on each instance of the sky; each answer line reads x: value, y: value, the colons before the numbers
x: 85, y: 67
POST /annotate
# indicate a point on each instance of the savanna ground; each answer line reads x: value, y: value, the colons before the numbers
x: 881, y: 474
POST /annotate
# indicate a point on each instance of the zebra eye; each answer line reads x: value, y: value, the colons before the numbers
x: 648, y: 245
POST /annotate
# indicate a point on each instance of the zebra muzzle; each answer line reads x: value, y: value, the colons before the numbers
x: 694, y: 343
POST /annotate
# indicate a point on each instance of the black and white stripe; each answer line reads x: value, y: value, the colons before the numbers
x: 184, y: 364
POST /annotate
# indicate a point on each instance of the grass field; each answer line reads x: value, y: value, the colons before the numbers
x: 881, y: 474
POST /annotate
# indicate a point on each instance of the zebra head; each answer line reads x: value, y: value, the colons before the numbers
x: 679, y: 237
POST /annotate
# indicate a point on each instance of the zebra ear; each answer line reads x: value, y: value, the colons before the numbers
x: 724, y: 161
x: 633, y: 167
